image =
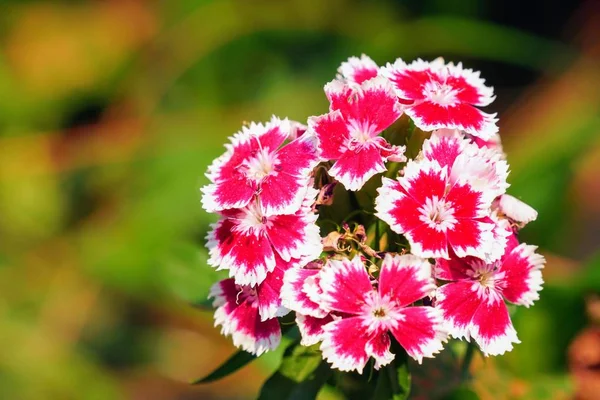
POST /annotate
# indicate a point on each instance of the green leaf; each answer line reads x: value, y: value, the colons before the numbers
x: 235, y: 362
x: 394, y: 381
x: 301, y: 375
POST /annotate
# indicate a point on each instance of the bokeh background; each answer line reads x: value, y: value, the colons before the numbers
x: 111, y: 110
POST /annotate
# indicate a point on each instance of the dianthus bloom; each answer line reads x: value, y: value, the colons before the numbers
x: 436, y: 214
x: 353, y: 267
x: 472, y: 302
x: 246, y: 242
x: 349, y: 134
x: 256, y: 164
x: 443, y: 95
x: 368, y: 313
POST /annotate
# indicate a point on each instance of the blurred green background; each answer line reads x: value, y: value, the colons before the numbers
x: 111, y: 110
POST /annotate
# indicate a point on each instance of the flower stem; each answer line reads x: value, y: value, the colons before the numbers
x: 467, y: 361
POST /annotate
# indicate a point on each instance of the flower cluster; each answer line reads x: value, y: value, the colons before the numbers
x: 432, y: 252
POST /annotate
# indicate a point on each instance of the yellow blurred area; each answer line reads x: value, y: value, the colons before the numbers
x: 110, y: 112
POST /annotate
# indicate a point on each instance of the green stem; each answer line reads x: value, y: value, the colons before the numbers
x: 467, y: 361
x: 377, y: 236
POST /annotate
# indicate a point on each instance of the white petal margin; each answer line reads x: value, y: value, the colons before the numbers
x: 356, y: 182
x: 534, y: 280
x: 484, y: 174
x: 385, y: 201
x: 381, y: 360
x: 309, y: 337
x: 349, y: 68
x: 343, y: 362
x: 298, y: 300
x: 229, y: 326
x: 433, y: 346
x: 516, y: 210
x: 474, y: 79
x: 499, y: 344
x: 251, y: 278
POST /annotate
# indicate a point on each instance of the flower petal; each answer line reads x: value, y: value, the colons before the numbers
x: 357, y: 70
x: 420, y: 332
x: 396, y: 208
x: 492, y: 328
x: 444, y: 148
x: 332, y: 131
x: 242, y: 321
x: 458, y: 302
x: 230, y: 187
x: 522, y: 275
x: 453, y: 269
x: 423, y: 180
x: 483, y: 174
x: 379, y: 348
x: 345, y: 284
x: 430, y: 116
x: 409, y: 80
x: 246, y: 253
x: 469, y: 85
x: 311, y: 328
x: 295, y: 236
x: 269, y: 291
x: 428, y: 242
x: 344, y: 344
x: 468, y: 202
x: 375, y: 104
x: 283, y: 191
x: 515, y: 209
x: 355, y: 167
x: 405, y: 279
x: 294, y: 296
x: 470, y: 237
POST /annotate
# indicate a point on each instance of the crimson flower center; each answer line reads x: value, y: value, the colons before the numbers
x: 245, y: 294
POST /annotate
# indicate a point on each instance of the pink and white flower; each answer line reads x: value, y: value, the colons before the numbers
x: 473, y: 302
x: 481, y: 167
x: 358, y: 70
x: 256, y: 164
x: 246, y: 242
x: 443, y: 96
x: 436, y: 213
x: 349, y: 134
x: 368, y: 314
x: 249, y: 314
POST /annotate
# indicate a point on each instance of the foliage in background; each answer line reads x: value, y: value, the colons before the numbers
x: 109, y: 114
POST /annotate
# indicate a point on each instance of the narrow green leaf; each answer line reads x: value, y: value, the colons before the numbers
x: 301, y: 375
x: 234, y: 363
